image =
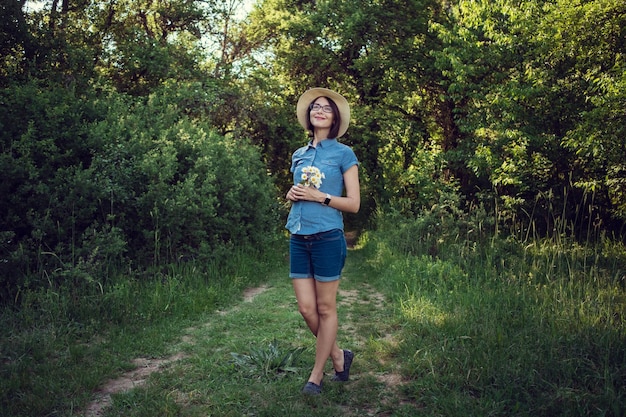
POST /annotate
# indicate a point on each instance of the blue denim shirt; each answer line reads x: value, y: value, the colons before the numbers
x: 332, y: 159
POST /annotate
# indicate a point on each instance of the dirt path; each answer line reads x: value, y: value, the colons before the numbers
x: 144, y: 367
x: 353, y: 298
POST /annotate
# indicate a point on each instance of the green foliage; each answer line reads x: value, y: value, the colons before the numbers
x: 44, y: 145
x: 155, y: 138
x: 436, y: 229
x: 58, y: 348
x: 270, y: 360
x: 265, y: 114
x: 197, y: 190
x: 512, y: 100
x: 142, y: 183
x: 503, y: 328
x: 371, y: 53
x: 508, y: 98
x: 526, y: 81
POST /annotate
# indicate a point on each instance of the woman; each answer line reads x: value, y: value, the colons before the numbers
x: 322, y: 170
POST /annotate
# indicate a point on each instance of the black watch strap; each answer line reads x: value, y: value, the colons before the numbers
x: 327, y: 201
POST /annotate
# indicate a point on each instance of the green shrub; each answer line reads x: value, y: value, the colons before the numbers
x: 140, y: 185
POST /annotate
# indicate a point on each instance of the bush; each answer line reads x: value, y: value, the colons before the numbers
x: 179, y: 189
x: 143, y: 184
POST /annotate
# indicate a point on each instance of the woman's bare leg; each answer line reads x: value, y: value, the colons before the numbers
x: 317, y: 302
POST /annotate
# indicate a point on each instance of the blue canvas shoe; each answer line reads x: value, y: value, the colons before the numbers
x: 344, y: 375
x: 312, y: 388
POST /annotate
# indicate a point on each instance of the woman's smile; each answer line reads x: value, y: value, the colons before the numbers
x: 320, y: 118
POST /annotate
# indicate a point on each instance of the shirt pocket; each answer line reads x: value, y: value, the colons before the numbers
x: 330, y: 168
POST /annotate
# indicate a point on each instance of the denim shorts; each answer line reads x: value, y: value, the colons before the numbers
x: 320, y: 256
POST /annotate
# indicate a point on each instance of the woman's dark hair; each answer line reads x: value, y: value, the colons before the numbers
x: 334, y: 129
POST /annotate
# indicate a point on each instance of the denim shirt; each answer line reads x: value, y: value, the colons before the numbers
x: 332, y: 159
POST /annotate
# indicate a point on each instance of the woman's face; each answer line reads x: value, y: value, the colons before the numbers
x: 321, y: 114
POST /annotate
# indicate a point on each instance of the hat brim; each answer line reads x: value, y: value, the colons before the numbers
x: 302, y: 108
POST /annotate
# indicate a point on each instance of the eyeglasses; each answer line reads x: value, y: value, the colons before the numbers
x: 317, y: 107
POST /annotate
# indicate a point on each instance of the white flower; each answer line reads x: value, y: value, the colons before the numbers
x: 311, y: 176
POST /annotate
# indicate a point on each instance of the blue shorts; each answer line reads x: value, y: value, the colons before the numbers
x: 320, y: 256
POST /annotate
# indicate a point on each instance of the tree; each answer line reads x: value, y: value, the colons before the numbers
x: 377, y: 55
x: 16, y: 47
x: 519, y: 76
x: 111, y: 146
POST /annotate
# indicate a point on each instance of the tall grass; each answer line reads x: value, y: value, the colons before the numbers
x: 497, y: 326
x: 483, y: 324
x: 60, y: 345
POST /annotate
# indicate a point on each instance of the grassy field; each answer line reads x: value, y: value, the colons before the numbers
x: 484, y: 334
x: 253, y: 357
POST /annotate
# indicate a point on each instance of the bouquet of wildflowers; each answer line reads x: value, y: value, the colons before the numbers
x: 311, y: 176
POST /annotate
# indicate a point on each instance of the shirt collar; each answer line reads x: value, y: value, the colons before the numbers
x: 324, y: 143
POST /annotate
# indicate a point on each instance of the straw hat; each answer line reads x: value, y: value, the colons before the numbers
x: 302, y: 109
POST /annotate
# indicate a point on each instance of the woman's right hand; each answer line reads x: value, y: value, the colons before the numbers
x: 290, y: 194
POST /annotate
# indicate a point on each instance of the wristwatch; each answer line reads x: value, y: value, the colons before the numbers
x: 327, y: 201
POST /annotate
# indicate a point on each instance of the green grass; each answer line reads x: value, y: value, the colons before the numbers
x: 491, y: 330
x: 508, y: 330
x: 233, y: 361
x: 60, y: 347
